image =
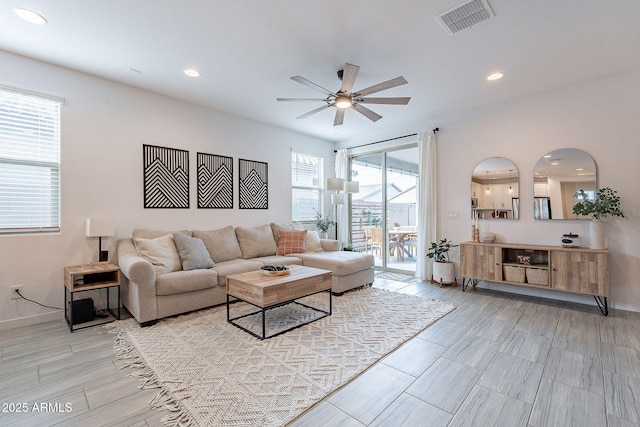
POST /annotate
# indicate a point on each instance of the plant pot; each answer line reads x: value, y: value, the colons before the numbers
x: 596, y: 233
x: 324, y: 235
x: 444, y: 272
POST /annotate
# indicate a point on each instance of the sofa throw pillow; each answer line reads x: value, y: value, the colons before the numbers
x: 193, y: 253
x: 313, y: 242
x: 256, y: 241
x: 161, y: 252
x: 291, y: 242
x: 221, y: 243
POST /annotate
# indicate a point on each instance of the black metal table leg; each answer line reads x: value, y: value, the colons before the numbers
x: 602, y: 304
x: 466, y: 282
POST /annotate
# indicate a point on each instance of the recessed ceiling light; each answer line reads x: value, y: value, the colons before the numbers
x: 192, y: 72
x: 29, y: 16
x: 547, y: 156
x: 579, y: 169
x: 554, y: 163
x: 495, y: 76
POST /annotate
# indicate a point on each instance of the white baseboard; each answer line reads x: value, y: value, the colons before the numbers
x: 31, y: 320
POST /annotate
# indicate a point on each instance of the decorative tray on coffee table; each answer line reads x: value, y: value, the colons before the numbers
x: 270, y: 270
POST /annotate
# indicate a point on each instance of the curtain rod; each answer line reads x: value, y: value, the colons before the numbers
x: 387, y: 140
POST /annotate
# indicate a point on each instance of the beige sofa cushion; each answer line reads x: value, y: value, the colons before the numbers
x: 340, y: 263
x: 179, y: 282
x: 146, y: 233
x: 235, y: 266
x: 276, y: 228
x: 161, y: 252
x: 221, y: 243
x: 256, y: 241
x: 278, y: 260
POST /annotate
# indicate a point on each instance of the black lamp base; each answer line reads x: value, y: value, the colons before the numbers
x: 104, y: 256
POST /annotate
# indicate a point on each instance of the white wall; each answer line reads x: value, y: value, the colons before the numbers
x: 104, y: 125
x: 599, y: 117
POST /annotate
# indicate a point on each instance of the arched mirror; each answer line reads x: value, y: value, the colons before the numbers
x: 495, y: 190
x: 557, y: 177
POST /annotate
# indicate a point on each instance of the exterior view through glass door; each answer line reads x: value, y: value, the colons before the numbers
x: 384, y: 212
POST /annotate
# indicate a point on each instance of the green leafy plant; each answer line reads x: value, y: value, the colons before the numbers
x: 323, y: 222
x: 439, y: 252
x: 606, y: 203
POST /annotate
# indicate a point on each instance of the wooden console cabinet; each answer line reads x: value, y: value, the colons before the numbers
x: 576, y: 270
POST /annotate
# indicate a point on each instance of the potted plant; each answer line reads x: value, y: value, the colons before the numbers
x: 323, y: 223
x: 606, y: 203
x: 443, y: 270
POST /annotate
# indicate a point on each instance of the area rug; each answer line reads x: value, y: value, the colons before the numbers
x: 398, y: 277
x: 212, y: 373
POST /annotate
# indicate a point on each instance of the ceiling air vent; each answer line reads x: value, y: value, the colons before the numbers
x: 465, y: 15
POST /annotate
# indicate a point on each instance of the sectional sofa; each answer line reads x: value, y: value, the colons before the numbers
x: 171, y: 272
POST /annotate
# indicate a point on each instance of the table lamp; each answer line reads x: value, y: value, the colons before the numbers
x: 100, y: 227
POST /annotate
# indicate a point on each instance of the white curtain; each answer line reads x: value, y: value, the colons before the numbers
x: 427, y: 202
x: 342, y: 217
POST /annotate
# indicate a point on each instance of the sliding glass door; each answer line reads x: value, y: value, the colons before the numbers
x: 384, y: 212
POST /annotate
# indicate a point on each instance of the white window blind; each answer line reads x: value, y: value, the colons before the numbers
x: 306, y: 186
x: 29, y: 163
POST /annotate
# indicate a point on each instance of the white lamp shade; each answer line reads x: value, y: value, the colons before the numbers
x: 352, y: 187
x: 100, y: 227
x: 335, y: 184
x: 337, y: 199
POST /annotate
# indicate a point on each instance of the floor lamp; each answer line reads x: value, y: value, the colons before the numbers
x: 340, y: 188
x: 336, y: 185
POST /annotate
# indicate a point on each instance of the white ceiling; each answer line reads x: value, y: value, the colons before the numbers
x: 246, y: 51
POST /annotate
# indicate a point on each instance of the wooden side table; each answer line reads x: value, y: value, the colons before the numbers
x: 89, y: 277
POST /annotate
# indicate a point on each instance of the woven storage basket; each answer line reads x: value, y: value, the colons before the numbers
x: 513, y: 273
x: 538, y: 276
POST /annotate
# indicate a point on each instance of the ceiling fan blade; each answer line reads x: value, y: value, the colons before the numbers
x: 300, y: 99
x: 349, y: 74
x: 394, y: 100
x: 398, y: 81
x: 305, y: 115
x: 373, y: 116
x: 312, y: 85
x: 339, y: 116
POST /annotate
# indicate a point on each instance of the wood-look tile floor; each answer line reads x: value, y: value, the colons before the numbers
x: 498, y: 360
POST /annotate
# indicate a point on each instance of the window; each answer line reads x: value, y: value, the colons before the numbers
x: 306, y: 186
x: 29, y: 162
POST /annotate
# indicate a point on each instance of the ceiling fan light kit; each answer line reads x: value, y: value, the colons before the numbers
x: 345, y: 98
x: 343, y: 101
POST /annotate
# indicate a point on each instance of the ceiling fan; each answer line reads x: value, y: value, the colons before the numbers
x: 345, y: 98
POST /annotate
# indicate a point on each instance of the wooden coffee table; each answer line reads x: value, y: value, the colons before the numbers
x: 269, y: 292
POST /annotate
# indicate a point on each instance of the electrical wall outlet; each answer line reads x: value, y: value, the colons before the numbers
x: 453, y: 215
x: 14, y: 292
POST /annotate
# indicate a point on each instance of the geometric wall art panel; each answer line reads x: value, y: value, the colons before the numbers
x: 253, y: 184
x: 166, y: 177
x: 215, y: 181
